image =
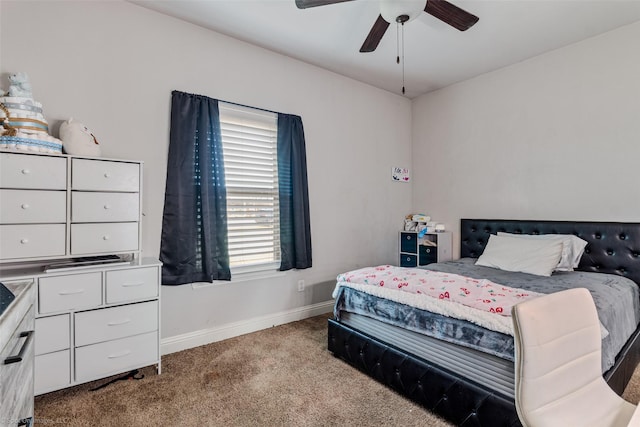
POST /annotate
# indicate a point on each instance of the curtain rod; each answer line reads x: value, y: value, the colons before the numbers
x: 249, y: 106
x: 235, y: 103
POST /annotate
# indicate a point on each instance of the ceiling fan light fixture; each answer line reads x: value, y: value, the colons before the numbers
x: 392, y: 9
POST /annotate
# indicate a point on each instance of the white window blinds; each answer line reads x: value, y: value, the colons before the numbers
x: 249, y: 143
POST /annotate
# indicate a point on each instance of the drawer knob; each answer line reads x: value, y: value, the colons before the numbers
x: 408, y: 237
x: 107, y: 174
x: 24, y: 241
x: 25, y: 171
x: 25, y: 206
x: 107, y: 207
x: 105, y: 237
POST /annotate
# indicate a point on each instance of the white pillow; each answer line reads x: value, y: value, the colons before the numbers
x: 533, y: 256
x: 572, y: 247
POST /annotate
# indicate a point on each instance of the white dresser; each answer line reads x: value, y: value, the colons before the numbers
x: 91, y: 322
x: 65, y: 206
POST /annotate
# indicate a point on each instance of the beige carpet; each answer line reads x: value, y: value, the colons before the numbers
x: 282, y: 376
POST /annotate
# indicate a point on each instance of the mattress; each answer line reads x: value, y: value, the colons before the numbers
x: 488, y: 370
x: 616, y: 300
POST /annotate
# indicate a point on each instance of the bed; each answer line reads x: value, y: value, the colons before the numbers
x: 470, y: 385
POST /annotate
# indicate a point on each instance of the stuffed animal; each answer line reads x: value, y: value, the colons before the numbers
x: 78, y: 140
x: 19, y: 85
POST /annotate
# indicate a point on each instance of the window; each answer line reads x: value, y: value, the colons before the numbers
x: 249, y: 144
x: 236, y: 192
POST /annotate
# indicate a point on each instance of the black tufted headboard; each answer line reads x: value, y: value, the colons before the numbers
x: 613, y: 247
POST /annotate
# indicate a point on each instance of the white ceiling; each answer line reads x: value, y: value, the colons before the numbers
x: 436, y: 55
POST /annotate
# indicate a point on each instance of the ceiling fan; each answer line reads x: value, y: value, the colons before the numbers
x: 402, y: 11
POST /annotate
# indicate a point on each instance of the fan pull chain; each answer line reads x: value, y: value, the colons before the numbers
x: 397, y: 43
x: 403, y: 58
x: 401, y: 19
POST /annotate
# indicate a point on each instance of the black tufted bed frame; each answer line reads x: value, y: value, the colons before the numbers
x: 612, y: 248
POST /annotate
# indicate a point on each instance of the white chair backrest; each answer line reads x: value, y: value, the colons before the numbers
x: 558, y: 341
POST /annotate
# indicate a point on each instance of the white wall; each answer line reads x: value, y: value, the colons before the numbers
x: 112, y: 65
x: 556, y: 137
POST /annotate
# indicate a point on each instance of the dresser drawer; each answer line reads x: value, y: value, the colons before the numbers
x: 32, y: 206
x: 131, y: 284
x: 116, y: 322
x: 104, y: 207
x: 30, y: 241
x: 407, y: 260
x: 52, y: 371
x: 37, y: 172
x: 59, y: 293
x: 409, y: 242
x: 52, y: 334
x: 104, y: 237
x: 105, y: 175
x: 101, y: 360
x: 428, y: 254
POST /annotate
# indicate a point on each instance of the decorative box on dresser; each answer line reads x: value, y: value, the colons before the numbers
x: 92, y: 321
x: 416, y: 251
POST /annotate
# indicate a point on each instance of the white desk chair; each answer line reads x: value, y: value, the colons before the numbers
x: 558, y: 368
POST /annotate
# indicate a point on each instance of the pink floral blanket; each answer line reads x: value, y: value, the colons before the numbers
x: 479, y: 294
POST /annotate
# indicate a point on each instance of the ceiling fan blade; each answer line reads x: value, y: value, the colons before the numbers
x: 375, y: 35
x: 451, y: 14
x: 303, y: 4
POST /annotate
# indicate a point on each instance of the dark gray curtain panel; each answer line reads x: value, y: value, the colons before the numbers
x: 295, y: 229
x: 194, y: 246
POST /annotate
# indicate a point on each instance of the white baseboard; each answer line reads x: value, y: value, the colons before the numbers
x: 207, y: 336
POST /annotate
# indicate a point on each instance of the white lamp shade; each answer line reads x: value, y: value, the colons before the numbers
x: 391, y: 9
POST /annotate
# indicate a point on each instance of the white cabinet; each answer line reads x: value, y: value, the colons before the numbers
x: 54, y: 206
x: 94, y: 323
x: 90, y: 321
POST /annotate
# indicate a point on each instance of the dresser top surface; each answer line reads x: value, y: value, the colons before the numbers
x: 18, y: 272
x: 67, y: 156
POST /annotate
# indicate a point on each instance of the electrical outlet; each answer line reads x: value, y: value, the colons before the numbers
x: 300, y: 285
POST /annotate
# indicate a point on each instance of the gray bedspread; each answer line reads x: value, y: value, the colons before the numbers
x: 617, y: 301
